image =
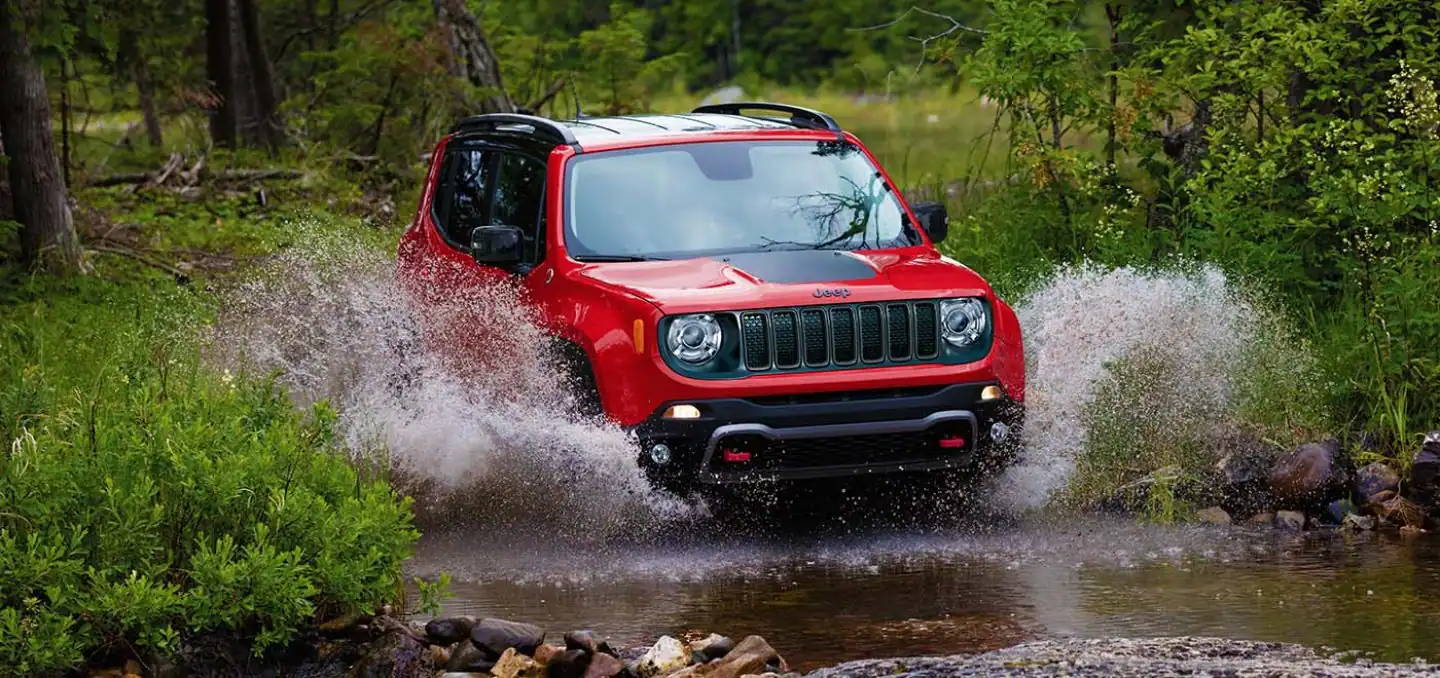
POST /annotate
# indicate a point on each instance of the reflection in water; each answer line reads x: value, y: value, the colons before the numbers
x: 828, y: 599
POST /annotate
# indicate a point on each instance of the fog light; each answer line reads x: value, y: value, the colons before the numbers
x: 682, y: 412
x: 660, y: 454
x: 999, y: 432
x: 991, y: 392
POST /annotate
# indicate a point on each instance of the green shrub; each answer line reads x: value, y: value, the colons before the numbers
x: 143, y: 498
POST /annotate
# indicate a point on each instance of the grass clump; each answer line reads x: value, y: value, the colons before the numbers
x: 145, y: 499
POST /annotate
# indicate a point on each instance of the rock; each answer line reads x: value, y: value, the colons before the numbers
x: 494, y: 636
x: 439, y: 655
x: 395, y: 654
x: 515, y: 665
x: 1290, y: 520
x: 458, y: 674
x: 569, y: 664
x: 752, y: 656
x: 1400, y: 511
x: 1242, y: 476
x: 1373, y: 479
x: 667, y: 656
x: 1425, y: 473
x: 1309, y: 475
x: 1357, y: 522
x: 449, y: 630
x: 545, y: 652
x: 465, y: 657
x: 1213, y: 515
x: 343, y: 624
x: 1264, y: 518
x: 1336, y: 511
x: 604, y: 665
x: 587, y: 640
x: 713, y: 646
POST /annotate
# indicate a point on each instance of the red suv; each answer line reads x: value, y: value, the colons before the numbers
x: 749, y: 294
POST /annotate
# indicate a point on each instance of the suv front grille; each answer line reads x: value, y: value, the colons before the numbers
x: 839, y: 335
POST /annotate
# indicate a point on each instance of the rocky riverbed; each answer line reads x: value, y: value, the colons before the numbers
x: 1152, y: 657
x: 462, y: 647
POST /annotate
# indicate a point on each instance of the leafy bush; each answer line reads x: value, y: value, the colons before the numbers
x: 144, y: 499
x: 1308, y: 164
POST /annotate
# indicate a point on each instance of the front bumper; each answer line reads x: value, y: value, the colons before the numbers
x: 827, y: 435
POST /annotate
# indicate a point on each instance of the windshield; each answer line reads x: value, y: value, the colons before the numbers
x: 702, y: 199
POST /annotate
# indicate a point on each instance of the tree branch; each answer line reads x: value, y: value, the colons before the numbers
x: 925, y: 42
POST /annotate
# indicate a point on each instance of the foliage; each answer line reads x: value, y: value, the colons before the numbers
x: 146, y: 499
x: 1307, y: 165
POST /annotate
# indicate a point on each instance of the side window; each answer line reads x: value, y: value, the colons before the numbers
x: 520, y: 201
x: 461, y: 193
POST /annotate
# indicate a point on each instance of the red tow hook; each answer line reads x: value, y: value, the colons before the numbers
x: 953, y: 442
x: 734, y: 456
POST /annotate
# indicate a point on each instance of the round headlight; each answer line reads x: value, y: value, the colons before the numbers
x: 962, y: 321
x: 694, y: 339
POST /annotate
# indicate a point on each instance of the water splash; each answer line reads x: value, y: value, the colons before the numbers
x: 1195, y: 322
x: 493, y: 440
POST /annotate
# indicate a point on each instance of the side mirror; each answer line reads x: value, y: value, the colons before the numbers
x: 500, y: 246
x: 934, y: 219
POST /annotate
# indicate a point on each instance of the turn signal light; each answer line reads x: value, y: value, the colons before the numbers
x: 682, y: 412
x: 992, y: 392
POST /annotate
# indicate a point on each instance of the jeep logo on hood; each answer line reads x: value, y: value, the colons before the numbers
x: 838, y: 292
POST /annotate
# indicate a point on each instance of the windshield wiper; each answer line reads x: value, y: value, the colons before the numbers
x: 599, y: 258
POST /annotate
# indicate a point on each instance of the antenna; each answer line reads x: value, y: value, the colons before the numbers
x: 575, y: 96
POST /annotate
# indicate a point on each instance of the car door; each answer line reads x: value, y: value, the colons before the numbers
x: 469, y: 316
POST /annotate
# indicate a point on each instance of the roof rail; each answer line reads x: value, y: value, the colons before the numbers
x: 543, y: 127
x: 798, y: 116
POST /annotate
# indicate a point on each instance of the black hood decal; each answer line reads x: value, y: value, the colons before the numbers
x: 800, y: 266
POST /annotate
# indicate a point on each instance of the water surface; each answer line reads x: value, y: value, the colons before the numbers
x: 823, y: 595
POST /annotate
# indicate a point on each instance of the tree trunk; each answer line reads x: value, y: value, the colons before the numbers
x: 220, y: 68
x: 247, y: 115
x: 471, y: 56
x: 140, y: 71
x: 47, y: 234
x: 262, y: 80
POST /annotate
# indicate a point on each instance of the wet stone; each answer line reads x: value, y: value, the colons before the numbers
x: 569, y: 664
x: 667, y: 656
x: 1336, y: 511
x: 1358, y: 522
x: 604, y: 665
x: 587, y: 640
x: 545, y: 652
x: 1264, y: 518
x: 1425, y: 473
x: 465, y: 657
x: 714, y: 646
x: 494, y: 636
x: 1309, y: 475
x: 1213, y: 515
x: 394, y: 655
x: 1290, y: 520
x: 1374, y: 478
x: 515, y: 665
x: 449, y: 630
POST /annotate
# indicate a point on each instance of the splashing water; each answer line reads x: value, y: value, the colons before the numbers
x: 1084, y: 319
x: 496, y: 440
x: 492, y: 440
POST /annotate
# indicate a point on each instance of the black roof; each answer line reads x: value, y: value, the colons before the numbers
x: 705, y: 119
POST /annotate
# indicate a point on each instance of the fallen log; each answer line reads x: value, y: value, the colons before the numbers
x: 224, y: 175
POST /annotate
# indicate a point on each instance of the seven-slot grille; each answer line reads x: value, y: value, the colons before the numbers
x: 839, y: 335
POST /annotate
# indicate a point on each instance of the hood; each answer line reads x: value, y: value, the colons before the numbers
x: 789, y: 278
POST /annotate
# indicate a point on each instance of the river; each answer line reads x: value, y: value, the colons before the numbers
x: 823, y: 595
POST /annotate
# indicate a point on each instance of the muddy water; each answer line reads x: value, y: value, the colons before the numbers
x: 886, y: 592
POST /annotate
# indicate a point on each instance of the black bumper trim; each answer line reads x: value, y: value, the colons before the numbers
x: 833, y: 431
x: 694, y: 442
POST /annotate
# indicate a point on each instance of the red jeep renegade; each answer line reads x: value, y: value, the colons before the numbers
x: 749, y: 294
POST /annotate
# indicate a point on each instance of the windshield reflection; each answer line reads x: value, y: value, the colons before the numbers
x: 729, y: 197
